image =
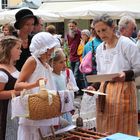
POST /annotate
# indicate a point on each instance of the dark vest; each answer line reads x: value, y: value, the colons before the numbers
x: 4, y: 104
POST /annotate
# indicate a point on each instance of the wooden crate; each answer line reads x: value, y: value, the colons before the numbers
x: 77, y: 134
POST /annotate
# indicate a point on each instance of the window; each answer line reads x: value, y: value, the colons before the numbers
x: 4, y: 4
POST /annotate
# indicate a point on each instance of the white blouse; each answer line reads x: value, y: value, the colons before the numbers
x: 60, y: 81
x: 125, y: 56
x: 4, y: 76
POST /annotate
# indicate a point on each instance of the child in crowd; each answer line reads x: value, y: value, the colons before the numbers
x: 10, y: 50
x: 7, y: 29
x: 61, y: 76
x: 34, y: 69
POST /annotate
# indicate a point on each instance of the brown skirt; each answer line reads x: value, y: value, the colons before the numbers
x: 118, y: 112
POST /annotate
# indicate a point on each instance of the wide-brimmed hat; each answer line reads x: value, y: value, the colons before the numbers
x: 41, y: 42
x: 22, y: 14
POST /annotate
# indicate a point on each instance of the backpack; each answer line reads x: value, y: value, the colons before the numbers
x: 88, y: 64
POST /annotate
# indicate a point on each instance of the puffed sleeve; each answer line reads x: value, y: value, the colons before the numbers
x: 3, y: 77
x: 133, y: 55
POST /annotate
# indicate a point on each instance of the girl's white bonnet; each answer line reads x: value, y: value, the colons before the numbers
x: 41, y: 42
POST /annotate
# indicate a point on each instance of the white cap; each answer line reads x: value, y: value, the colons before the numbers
x: 86, y: 31
x: 41, y: 42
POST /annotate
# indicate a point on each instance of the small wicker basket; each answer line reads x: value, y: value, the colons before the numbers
x: 43, y: 105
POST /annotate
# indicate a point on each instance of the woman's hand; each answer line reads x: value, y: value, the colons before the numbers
x: 90, y: 88
x: 120, y: 78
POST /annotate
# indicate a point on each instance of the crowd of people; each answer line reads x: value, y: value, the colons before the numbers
x: 28, y: 54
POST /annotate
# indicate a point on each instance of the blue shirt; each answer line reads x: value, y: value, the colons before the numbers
x: 88, y: 47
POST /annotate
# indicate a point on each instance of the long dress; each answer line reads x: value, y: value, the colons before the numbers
x: 28, y: 129
x: 8, y: 127
x: 61, y: 84
x: 117, y: 111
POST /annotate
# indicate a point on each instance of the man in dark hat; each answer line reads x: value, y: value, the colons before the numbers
x: 25, y: 20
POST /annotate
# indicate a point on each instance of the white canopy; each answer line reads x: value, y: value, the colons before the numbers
x: 58, y: 11
x: 89, y: 9
x: 9, y: 15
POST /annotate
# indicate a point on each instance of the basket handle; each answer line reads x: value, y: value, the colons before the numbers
x: 42, y: 88
x: 42, y: 84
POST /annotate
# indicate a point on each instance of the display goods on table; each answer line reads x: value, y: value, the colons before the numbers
x: 77, y: 134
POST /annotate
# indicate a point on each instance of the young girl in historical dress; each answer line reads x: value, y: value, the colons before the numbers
x: 61, y: 77
x: 34, y: 69
x: 10, y: 50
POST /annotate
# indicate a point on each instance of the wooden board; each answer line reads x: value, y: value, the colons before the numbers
x: 101, y: 77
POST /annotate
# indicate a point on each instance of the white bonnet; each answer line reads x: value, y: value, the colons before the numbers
x: 41, y: 42
x: 86, y: 31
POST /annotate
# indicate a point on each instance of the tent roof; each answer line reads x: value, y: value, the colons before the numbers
x: 89, y: 9
x: 58, y: 11
x: 9, y: 15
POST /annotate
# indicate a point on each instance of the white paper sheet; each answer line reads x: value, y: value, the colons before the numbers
x: 93, y: 92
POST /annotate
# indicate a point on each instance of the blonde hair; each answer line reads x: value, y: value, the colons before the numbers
x: 51, y: 29
x: 57, y: 55
x: 6, y: 44
x: 10, y: 28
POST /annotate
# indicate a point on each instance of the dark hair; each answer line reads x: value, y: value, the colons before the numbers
x: 37, y: 20
x: 72, y: 21
x: 104, y: 18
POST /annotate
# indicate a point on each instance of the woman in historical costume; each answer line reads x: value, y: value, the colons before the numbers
x: 117, y: 111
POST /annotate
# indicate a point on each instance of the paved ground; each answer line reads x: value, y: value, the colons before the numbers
x: 77, y: 102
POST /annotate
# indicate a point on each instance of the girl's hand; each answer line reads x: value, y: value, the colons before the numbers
x: 120, y: 78
x: 15, y: 93
x: 37, y: 82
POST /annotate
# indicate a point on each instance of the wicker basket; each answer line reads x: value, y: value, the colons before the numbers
x: 43, y: 105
